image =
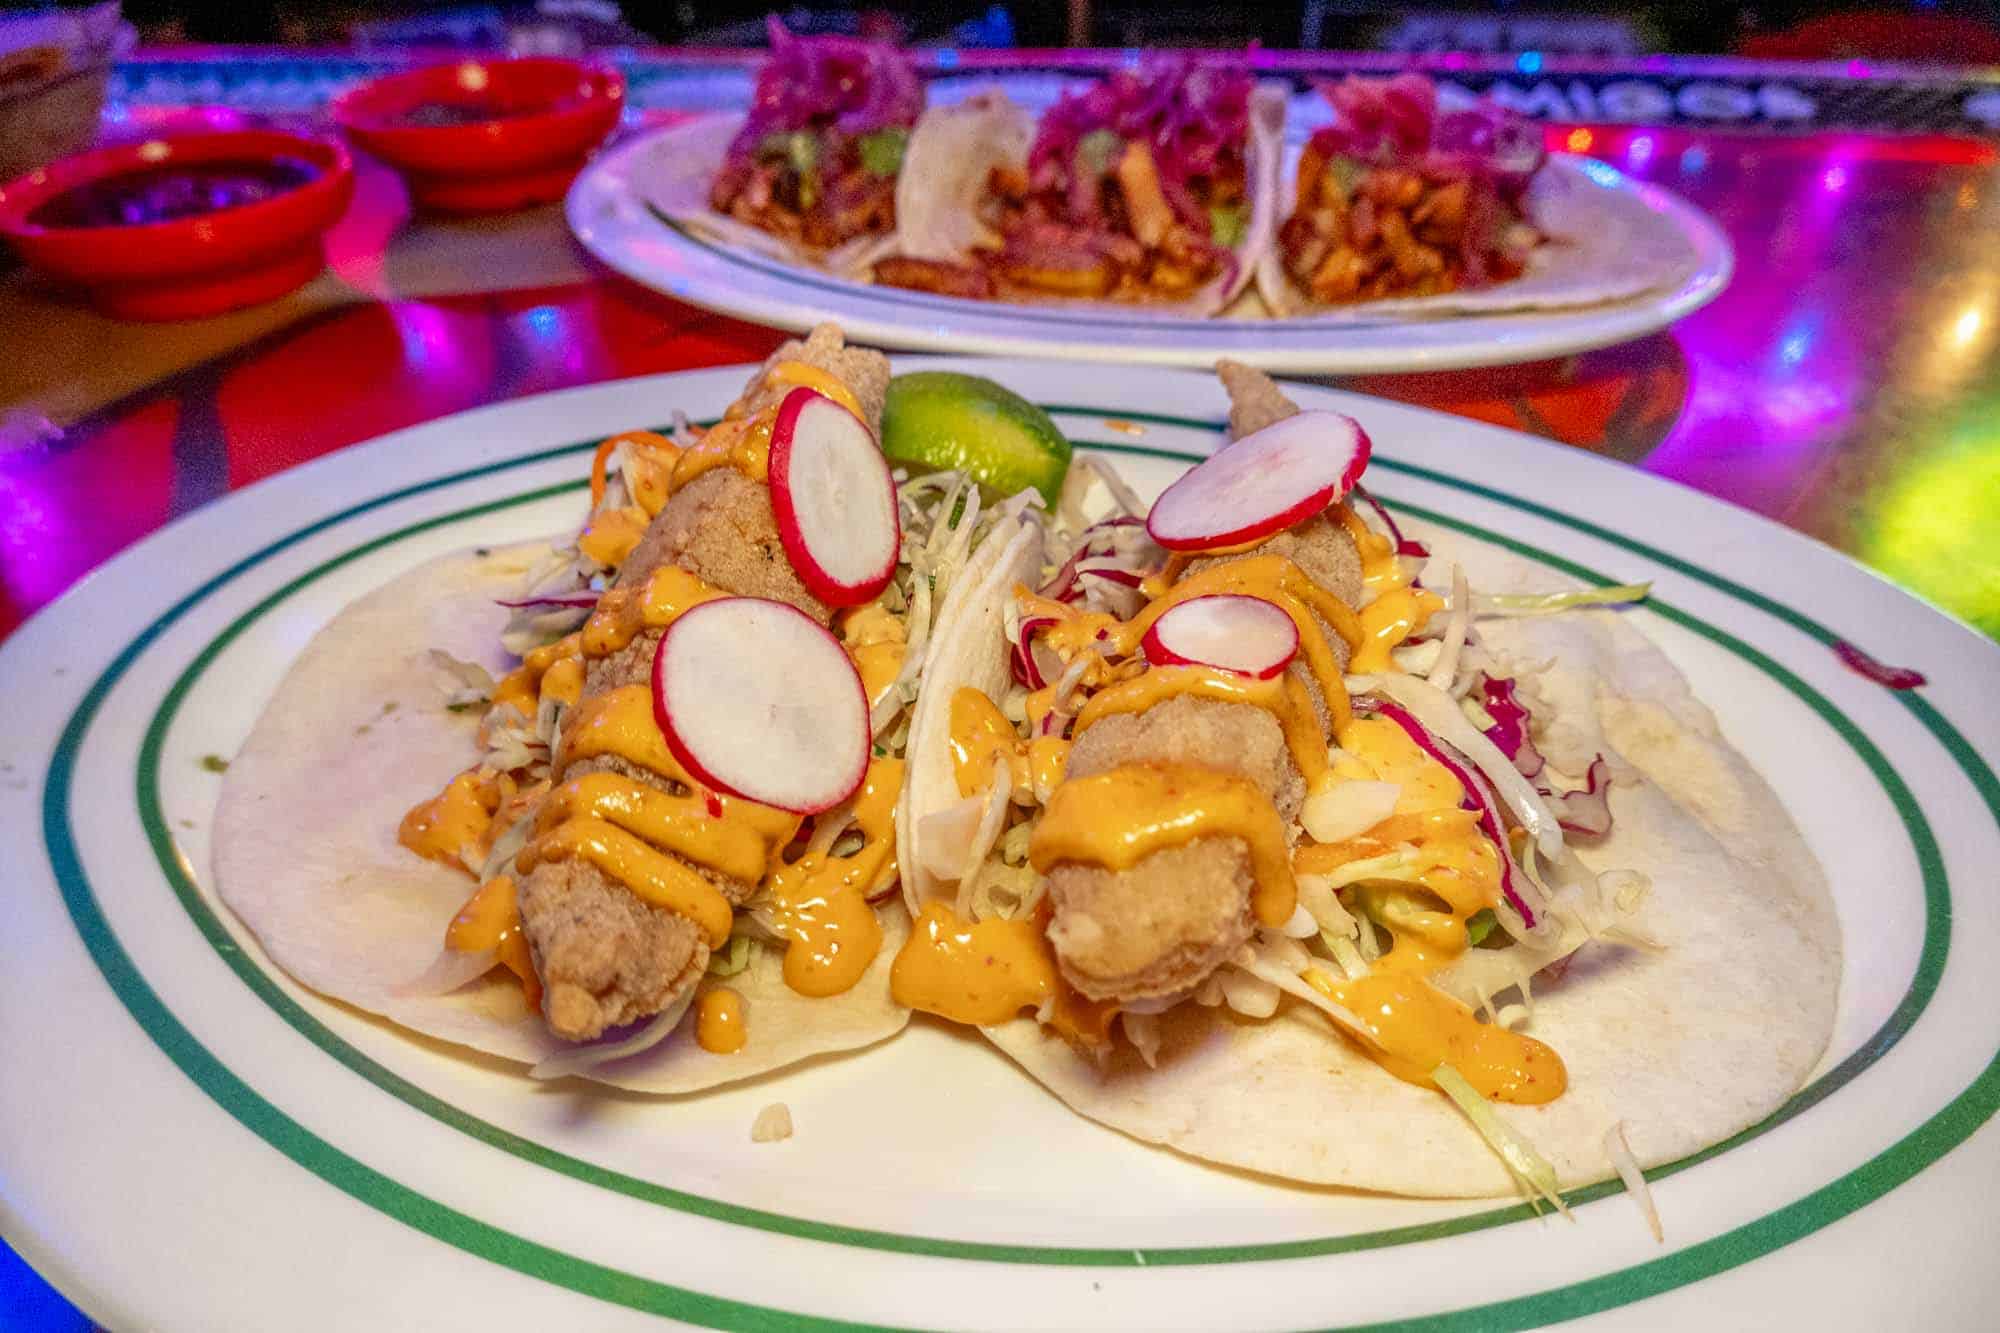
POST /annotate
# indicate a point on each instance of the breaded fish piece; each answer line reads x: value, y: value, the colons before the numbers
x: 864, y: 371
x: 1162, y: 926
x: 1170, y: 920
x: 1255, y: 400
x: 721, y: 529
x: 607, y: 958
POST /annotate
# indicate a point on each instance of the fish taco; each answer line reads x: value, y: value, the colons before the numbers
x: 625, y: 804
x: 1254, y: 826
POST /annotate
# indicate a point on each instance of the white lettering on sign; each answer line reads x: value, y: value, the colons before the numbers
x: 1632, y: 99
x: 1715, y: 101
x: 1779, y: 102
x: 1984, y: 107
x: 1544, y: 101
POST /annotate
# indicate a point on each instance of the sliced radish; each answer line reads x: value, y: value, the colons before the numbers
x: 834, y: 499
x: 1246, y: 635
x: 758, y: 701
x: 1263, y: 483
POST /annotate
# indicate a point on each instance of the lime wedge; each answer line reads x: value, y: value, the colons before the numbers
x: 941, y: 419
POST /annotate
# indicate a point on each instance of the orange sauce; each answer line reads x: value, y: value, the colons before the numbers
x: 719, y: 1022
x: 622, y: 614
x: 794, y: 374
x: 819, y: 903
x: 522, y: 687
x: 980, y: 735
x: 1413, y: 1026
x: 451, y: 821
x: 612, y: 534
x: 979, y: 974
x: 1118, y: 818
x: 1282, y: 696
x: 491, y: 919
x: 876, y: 641
x: 1417, y: 1027
x: 742, y: 443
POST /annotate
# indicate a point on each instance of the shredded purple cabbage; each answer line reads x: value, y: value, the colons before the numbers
x: 1397, y: 121
x: 584, y: 599
x: 1477, y: 798
x: 1404, y: 546
x: 831, y: 82
x: 1194, y: 115
x: 1586, y: 811
x: 1511, y: 721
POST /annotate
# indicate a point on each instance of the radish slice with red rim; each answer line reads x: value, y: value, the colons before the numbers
x: 757, y: 700
x: 1247, y: 635
x: 1262, y: 484
x: 834, y: 500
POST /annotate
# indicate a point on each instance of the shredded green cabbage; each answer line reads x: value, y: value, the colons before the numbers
x: 733, y: 959
x: 1528, y: 1166
x: 1542, y: 604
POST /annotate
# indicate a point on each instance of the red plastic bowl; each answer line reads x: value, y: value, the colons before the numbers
x: 192, y: 266
x: 524, y: 128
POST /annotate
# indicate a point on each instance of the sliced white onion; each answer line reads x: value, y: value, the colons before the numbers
x: 448, y: 972
x: 1349, y: 809
x: 1446, y: 667
x: 1143, y: 1031
x: 1249, y: 994
x: 1302, y: 926
x: 945, y: 837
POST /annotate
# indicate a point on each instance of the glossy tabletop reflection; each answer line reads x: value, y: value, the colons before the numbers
x: 1847, y: 384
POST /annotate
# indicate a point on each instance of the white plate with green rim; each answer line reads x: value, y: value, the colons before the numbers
x: 188, y: 1140
x: 607, y: 210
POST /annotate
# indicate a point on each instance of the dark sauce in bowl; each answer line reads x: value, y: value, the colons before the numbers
x: 449, y: 115
x: 172, y: 191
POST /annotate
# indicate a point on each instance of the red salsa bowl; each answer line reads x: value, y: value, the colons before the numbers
x: 485, y: 136
x: 185, y: 225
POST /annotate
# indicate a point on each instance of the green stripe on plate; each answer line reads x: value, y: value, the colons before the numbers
x: 1835, y: 1200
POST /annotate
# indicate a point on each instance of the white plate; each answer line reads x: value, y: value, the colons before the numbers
x: 608, y: 213
x: 189, y: 1141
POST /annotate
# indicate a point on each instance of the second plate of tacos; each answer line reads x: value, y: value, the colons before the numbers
x: 1254, y: 827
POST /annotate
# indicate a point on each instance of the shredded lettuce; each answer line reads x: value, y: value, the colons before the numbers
x: 1620, y: 1153
x: 1445, y: 670
x: 1481, y: 924
x: 1529, y: 1167
x: 1542, y: 604
x: 733, y: 959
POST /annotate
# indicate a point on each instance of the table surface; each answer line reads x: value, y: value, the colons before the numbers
x: 1844, y: 385
x: 1847, y: 384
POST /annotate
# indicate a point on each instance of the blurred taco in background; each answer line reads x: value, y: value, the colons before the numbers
x: 810, y: 172
x: 1409, y: 201
x: 1155, y: 187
